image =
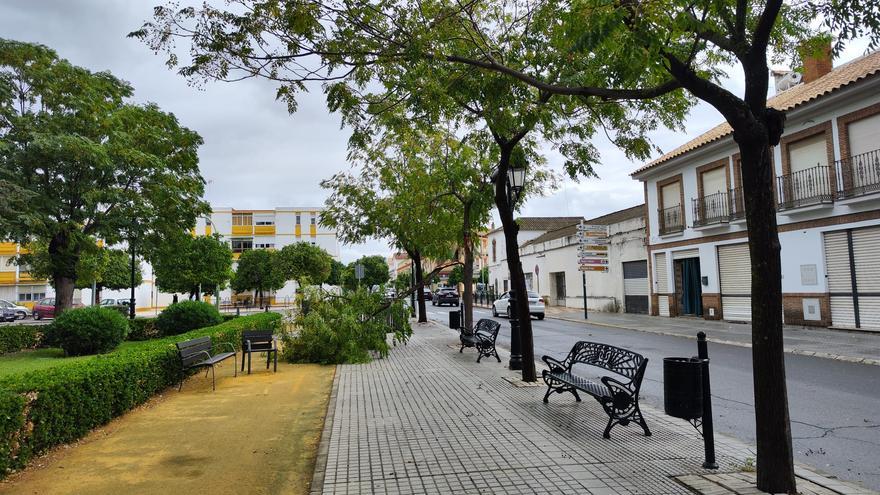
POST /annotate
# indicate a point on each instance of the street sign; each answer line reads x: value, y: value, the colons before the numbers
x: 359, y: 271
x: 593, y: 243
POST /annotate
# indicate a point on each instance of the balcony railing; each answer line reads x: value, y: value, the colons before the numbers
x: 671, y: 219
x: 806, y: 187
x: 860, y: 174
x: 737, y: 204
x: 711, y: 209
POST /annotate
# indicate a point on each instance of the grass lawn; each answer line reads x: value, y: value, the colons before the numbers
x: 38, y: 359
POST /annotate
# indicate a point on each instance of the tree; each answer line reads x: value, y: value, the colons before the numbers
x: 77, y: 161
x: 304, y: 263
x: 375, y: 272
x: 258, y: 270
x: 456, y: 276
x: 336, y: 273
x: 192, y: 265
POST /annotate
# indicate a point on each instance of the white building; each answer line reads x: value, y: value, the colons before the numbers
x: 827, y: 185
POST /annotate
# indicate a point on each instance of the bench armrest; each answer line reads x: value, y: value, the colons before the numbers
x: 219, y: 344
x: 613, y: 383
x: 554, y: 364
x: 207, y: 356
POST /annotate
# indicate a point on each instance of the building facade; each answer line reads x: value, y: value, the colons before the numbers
x: 827, y: 190
x: 16, y: 283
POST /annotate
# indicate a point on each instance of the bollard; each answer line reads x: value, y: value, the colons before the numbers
x: 237, y: 311
x: 708, y: 427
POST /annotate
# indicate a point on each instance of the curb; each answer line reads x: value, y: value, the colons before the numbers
x: 788, y: 350
x: 317, y: 485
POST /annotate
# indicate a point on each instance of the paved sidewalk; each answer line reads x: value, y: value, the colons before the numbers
x: 428, y: 419
x: 842, y: 345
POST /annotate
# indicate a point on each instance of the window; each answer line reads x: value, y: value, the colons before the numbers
x: 298, y: 219
x: 494, y: 254
x: 671, y: 214
x: 264, y: 222
x: 314, y: 218
x: 714, y: 181
x: 31, y: 293
x: 242, y: 245
x: 242, y: 219
x: 670, y: 195
x: 264, y: 245
x: 807, y: 153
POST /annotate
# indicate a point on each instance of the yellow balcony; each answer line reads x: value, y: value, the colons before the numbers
x: 298, y: 230
x: 236, y: 256
x: 242, y: 230
x: 264, y: 230
x: 27, y: 304
x: 27, y: 277
x: 313, y: 230
x: 7, y: 278
x: 7, y: 248
x: 208, y: 230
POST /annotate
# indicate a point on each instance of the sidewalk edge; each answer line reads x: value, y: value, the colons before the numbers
x: 317, y: 485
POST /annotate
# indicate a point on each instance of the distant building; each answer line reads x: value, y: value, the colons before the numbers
x: 16, y: 283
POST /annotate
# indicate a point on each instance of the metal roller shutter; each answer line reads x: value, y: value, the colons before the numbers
x: 866, y: 251
x: 854, y: 306
x: 735, y: 274
x: 837, y: 270
x: 687, y: 253
x: 660, y: 271
x: 635, y: 286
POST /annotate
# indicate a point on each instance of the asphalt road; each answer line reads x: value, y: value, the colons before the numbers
x: 834, y: 405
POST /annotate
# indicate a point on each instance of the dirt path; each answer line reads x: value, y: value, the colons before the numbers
x: 256, y: 434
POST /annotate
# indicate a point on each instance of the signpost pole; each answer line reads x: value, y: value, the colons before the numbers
x: 584, y: 275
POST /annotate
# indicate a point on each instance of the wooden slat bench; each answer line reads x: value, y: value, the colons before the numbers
x: 258, y: 341
x: 198, y: 353
x: 620, y: 399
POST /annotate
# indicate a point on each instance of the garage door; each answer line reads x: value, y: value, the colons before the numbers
x: 635, y: 286
x: 735, y: 273
x: 854, y: 280
x: 660, y: 271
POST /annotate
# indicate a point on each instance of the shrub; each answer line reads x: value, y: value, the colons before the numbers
x: 345, y: 329
x: 185, y: 316
x: 14, y: 338
x: 91, y: 330
x: 142, y: 329
x: 45, y: 408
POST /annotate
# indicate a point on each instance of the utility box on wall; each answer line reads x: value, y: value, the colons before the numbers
x: 812, y: 310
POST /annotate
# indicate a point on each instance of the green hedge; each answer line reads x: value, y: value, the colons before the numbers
x: 14, y: 338
x: 142, y: 329
x: 187, y: 315
x: 42, y: 409
x: 90, y: 330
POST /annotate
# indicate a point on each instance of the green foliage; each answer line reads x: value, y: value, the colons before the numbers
x: 403, y: 282
x: 79, y: 161
x: 106, y: 268
x: 89, y: 330
x: 337, y: 270
x: 305, y: 263
x: 184, y: 263
x: 456, y: 276
x: 346, y: 329
x: 258, y: 270
x: 143, y: 329
x: 58, y: 405
x: 185, y: 316
x: 375, y: 273
x: 14, y: 338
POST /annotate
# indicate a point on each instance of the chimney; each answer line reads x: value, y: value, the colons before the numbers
x: 816, y: 57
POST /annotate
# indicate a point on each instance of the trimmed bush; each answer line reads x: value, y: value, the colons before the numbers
x: 14, y: 338
x: 142, y: 329
x: 185, y: 316
x: 45, y: 408
x: 91, y: 330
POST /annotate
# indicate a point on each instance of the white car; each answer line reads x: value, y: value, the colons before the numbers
x: 21, y: 312
x: 502, y: 305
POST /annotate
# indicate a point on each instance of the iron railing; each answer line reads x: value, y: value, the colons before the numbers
x: 711, y: 209
x: 737, y: 204
x: 806, y: 187
x: 671, y: 219
x: 860, y: 174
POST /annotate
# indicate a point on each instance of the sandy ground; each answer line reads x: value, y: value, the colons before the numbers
x: 257, y: 434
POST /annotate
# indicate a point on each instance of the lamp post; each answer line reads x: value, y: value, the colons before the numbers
x: 514, y: 185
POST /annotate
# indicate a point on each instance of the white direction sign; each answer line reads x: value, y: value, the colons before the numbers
x: 593, y: 243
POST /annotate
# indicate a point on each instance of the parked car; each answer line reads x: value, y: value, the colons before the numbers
x: 7, y: 314
x: 20, y: 312
x: 427, y: 295
x: 445, y: 295
x: 46, y: 308
x: 502, y: 305
x: 115, y: 302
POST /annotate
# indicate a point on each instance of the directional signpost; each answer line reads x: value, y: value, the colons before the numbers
x: 593, y: 243
x: 359, y: 273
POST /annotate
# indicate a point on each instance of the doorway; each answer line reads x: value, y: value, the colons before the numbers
x: 689, y: 287
x: 559, y: 288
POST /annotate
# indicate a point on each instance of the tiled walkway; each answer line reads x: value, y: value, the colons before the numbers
x: 430, y: 420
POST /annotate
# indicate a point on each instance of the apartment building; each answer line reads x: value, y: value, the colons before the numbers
x: 16, y: 283
x: 827, y: 189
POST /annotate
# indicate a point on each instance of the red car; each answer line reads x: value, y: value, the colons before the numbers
x: 46, y: 308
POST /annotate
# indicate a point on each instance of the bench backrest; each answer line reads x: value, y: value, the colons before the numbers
x: 192, y: 351
x: 614, y: 359
x: 488, y: 327
x: 257, y: 337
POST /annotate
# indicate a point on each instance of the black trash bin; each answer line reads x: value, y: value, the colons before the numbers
x: 683, y: 387
x: 455, y: 319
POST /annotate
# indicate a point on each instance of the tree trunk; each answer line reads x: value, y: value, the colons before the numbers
x: 64, y: 257
x: 517, y: 279
x: 416, y: 261
x: 468, y: 269
x: 775, y: 465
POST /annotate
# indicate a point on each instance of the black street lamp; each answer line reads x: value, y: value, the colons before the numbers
x: 514, y: 186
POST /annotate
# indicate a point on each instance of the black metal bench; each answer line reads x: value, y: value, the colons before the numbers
x: 258, y: 341
x: 198, y: 353
x: 482, y: 338
x: 620, y: 399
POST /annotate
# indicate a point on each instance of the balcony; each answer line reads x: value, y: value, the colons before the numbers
x: 737, y: 204
x: 810, y: 187
x: 671, y: 220
x: 860, y: 174
x: 710, y: 210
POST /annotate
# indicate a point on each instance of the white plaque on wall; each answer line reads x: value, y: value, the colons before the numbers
x: 809, y: 275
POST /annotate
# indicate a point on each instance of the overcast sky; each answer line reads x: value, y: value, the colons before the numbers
x: 255, y: 154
